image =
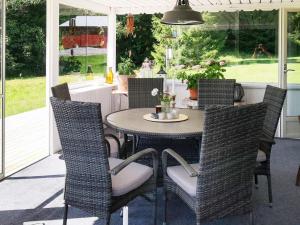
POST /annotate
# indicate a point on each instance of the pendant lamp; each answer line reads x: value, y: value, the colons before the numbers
x: 182, y: 14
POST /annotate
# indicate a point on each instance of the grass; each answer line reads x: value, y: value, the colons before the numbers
x: 25, y: 94
x: 97, y: 62
x: 261, y: 73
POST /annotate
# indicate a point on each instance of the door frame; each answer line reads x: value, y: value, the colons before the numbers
x: 283, y: 46
x: 2, y: 94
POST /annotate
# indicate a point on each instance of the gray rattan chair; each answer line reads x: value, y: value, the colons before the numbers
x: 274, y: 98
x: 139, y: 96
x: 93, y: 181
x: 221, y: 183
x: 215, y: 92
x: 61, y: 91
x: 139, y: 92
x: 114, y: 145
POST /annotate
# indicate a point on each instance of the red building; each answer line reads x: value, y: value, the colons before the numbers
x: 85, y: 31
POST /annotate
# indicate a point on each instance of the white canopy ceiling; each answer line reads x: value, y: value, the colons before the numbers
x: 160, y: 6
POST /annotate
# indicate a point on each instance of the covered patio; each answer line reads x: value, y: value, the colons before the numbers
x: 254, y: 89
x: 40, y: 187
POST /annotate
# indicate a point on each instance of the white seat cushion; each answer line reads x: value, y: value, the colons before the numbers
x: 182, y: 179
x: 261, y: 156
x: 114, y: 146
x: 130, y: 178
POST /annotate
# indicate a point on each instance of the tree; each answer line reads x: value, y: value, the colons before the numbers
x: 197, y: 45
x: 139, y: 45
x: 26, y: 37
x: 191, y: 45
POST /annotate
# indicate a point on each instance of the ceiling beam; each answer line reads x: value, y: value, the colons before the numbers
x: 265, y: 6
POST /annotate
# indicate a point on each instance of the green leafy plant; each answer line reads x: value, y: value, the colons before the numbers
x: 69, y: 64
x: 211, y: 70
x: 126, y: 67
x: 214, y: 70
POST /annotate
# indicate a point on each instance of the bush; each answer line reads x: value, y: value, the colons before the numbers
x: 26, y: 37
x: 126, y: 67
x: 69, y: 64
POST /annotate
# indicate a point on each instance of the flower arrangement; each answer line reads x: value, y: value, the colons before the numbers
x: 163, y: 97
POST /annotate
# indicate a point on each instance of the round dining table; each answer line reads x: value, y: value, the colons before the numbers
x: 131, y: 121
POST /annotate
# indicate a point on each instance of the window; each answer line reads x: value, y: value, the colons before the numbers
x: 83, y: 45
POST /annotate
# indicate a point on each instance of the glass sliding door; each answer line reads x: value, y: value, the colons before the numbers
x: 292, y: 75
x: 26, y: 115
x: 2, y: 79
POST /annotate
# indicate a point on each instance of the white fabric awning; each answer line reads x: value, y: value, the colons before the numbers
x: 160, y: 6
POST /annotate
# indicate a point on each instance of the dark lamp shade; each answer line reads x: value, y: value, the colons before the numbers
x: 182, y: 15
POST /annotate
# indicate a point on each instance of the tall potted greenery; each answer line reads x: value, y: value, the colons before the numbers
x: 125, y: 69
x: 211, y: 70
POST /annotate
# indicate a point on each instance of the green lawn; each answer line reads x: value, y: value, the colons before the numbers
x: 98, y: 63
x: 26, y: 94
x: 261, y: 73
x: 29, y: 93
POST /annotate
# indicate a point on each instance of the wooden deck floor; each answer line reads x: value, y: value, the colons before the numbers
x: 26, y: 139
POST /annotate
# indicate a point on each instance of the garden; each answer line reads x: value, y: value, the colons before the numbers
x: 246, y: 42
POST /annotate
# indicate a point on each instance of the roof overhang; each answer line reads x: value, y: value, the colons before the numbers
x: 161, y: 6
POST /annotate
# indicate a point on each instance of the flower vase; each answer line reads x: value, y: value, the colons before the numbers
x: 165, y: 106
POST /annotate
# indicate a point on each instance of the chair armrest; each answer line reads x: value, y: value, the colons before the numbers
x: 133, y: 158
x: 108, y: 147
x: 191, y: 172
x: 115, y: 139
x: 267, y: 140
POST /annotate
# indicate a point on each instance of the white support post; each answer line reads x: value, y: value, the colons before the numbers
x: 52, y: 65
x: 112, y: 39
x: 282, y: 61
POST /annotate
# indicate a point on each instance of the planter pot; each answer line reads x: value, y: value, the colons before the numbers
x: 123, y: 82
x: 193, y: 93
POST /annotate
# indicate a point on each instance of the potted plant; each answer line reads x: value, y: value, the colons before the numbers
x: 191, y: 79
x: 211, y: 70
x: 125, y: 68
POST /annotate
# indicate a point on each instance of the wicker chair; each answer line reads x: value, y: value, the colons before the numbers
x: 215, y: 92
x: 139, y: 92
x: 221, y: 183
x: 61, y: 91
x: 139, y: 96
x: 95, y: 183
x: 274, y: 98
x: 114, y: 145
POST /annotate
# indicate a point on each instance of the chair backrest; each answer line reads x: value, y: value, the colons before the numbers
x: 80, y: 128
x: 227, y: 160
x: 139, y: 92
x: 61, y: 91
x: 274, y: 97
x: 215, y: 92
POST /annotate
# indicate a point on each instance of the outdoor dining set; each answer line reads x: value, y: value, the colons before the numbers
x: 208, y: 157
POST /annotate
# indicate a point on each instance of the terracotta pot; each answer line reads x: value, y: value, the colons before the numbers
x: 193, y: 93
x: 123, y: 83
